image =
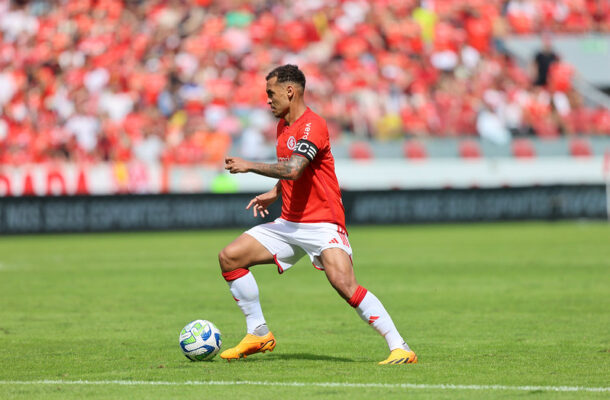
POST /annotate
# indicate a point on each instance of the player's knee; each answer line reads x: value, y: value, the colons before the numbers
x: 228, y: 260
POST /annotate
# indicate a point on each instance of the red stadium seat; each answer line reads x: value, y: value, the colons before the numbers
x: 414, y: 150
x: 360, y: 151
x: 469, y: 149
x: 580, y: 148
x: 523, y: 148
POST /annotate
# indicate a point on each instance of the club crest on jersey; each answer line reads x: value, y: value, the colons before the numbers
x: 291, y: 143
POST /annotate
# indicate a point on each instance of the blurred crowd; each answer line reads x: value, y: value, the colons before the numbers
x: 180, y: 81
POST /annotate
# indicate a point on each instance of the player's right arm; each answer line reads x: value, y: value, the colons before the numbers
x: 260, y: 203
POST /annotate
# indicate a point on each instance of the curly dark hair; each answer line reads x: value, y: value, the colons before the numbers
x: 288, y: 73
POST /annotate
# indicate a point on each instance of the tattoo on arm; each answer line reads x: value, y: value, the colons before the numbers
x: 291, y: 169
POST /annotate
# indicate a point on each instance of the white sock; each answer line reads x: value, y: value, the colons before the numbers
x: 245, y: 293
x: 371, y: 311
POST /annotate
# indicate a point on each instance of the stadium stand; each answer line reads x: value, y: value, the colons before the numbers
x: 180, y: 82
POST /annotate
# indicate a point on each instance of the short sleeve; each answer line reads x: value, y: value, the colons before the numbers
x: 314, y: 131
x: 312, y: 137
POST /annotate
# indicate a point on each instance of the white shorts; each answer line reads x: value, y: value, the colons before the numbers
x: 290, y: 241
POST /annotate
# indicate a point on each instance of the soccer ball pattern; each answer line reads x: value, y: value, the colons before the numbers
x: 200, y: 340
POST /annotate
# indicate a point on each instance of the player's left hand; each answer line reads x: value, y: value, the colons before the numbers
x: 259, y: 206
x: 236, y: 165
x: 260, y: 203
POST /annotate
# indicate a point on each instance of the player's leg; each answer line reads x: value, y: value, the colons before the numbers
x: 340, y: 273
x: 243, y: 252
x: 234, y: 259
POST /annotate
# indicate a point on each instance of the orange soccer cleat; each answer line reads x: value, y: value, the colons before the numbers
x: 400, y: 356
x: 249, y: 345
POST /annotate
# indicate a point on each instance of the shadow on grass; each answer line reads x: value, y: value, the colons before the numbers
x: 306, y: 356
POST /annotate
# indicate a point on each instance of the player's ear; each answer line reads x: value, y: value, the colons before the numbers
x: 290, y: 91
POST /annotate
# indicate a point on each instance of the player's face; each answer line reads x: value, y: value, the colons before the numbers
x: 278, y: 97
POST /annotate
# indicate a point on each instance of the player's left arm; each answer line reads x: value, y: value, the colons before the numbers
x: 290, y: 169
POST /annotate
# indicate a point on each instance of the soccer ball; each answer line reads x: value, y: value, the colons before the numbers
x: 200, y: 340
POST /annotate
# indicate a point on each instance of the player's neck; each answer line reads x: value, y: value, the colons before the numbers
x: 295, y: 111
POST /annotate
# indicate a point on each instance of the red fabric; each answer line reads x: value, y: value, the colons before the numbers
x: 315, y: 196
x: 235, y: 274
x: 262, y: 28
x: 280, y: 270
x: 577, y: 21
x: 357, y: 297
x: 560, y: 77
x: 547, y: 9
x: 478, y: 34
x: 445, y: 37
x: 521, y: 23
x: 545, y: 128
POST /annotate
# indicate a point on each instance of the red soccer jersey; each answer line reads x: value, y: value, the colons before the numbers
x: 315, y: 196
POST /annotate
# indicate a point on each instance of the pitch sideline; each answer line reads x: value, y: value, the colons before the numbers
x: 317, y: 384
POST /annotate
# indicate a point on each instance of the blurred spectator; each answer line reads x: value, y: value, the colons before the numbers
x: 543, y: 60
x: 84, y: 126
x: 149, y: 149
x: 522, y: 15
x: 491, y: 127
x: 180, y: 81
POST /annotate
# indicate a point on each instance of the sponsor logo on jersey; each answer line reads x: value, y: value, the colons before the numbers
x: 307, y: 130
x: 291, y: 143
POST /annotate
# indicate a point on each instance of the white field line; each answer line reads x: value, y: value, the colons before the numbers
x: 317, y: 384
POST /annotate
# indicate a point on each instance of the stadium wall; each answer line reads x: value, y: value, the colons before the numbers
x: 141, y: 178
x: 199, y: 211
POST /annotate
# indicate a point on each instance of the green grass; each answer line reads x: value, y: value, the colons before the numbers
x: 487, y: 304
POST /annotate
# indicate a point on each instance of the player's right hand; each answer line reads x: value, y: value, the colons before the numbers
x: 236, y: 165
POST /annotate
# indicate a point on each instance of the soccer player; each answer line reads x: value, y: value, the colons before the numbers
x: 312, y: 222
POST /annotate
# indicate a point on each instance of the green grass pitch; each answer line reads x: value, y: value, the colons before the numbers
x: 523, y: 305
